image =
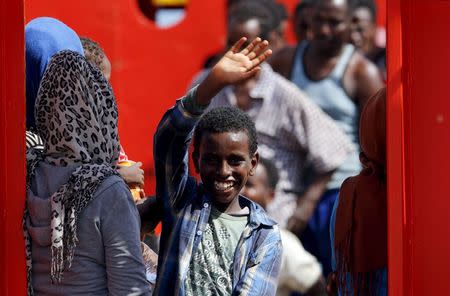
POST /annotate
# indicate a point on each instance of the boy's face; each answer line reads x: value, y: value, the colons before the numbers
x: 257, y: 187
x: 224, y: 163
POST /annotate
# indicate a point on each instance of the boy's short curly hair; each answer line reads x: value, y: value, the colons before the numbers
x: 93, y: 52
x: 226, y: 119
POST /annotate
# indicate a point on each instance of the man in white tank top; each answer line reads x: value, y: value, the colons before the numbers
x: 339, y: 80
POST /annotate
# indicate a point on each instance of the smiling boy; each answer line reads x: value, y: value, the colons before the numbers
x: 214, y: 241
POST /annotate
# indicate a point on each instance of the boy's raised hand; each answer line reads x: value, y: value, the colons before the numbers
x: 235, y: 66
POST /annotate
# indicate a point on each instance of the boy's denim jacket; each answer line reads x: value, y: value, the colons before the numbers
x: 187, y: 208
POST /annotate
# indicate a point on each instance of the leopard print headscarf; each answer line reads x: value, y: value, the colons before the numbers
x: 76, y: 117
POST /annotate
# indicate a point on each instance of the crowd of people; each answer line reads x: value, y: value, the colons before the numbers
x: 288, y: 143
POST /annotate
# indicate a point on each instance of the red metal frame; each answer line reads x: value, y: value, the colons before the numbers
x: 12, y: 151
x: 395, y: 148
x: 426, y: 63
x: 418, y: 158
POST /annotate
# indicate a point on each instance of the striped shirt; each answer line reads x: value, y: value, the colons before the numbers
x: 33, y: 141
x: 187, y: 207
x: 292, y: 131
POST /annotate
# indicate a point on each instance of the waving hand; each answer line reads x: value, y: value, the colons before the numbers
x: 235, y: 66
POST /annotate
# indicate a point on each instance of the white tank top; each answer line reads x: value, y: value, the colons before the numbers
x: 329, y: 94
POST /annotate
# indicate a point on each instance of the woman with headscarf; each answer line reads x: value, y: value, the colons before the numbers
x: 359, y: 220
x: 81, y: 225
x: 44, y: 37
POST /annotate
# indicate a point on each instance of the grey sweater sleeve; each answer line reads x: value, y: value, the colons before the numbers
x: 120, y: 229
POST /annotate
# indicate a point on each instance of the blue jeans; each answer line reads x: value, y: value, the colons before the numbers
x: 316, y: 236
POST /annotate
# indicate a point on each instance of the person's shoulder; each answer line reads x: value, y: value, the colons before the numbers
x: 259, y: 216
x: 288, y: 93
x: 114, y: 187
x: 284, y: 53
x: 362, y: 67
x: 268, y: 234
x: 111, y: 198
x: 288, y: 238
x: 282, y: 60
x: 293, y: 245
x: 362, y: 79
x: 284, y: 85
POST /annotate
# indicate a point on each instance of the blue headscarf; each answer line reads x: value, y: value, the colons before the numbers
x: 44, y: 37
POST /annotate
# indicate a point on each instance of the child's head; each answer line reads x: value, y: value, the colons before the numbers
x: 251, y: 19
x: 95, y: 55
x: 261, y: 186
x: 225, y: 145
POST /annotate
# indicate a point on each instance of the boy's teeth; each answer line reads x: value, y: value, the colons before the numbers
x: 223, y: 185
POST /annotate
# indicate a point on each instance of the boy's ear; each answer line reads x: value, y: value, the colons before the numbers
x: 254, y: 161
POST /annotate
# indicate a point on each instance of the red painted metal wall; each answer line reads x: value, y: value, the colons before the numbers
x: 398, y: 233
x: 427, y: 133
x: 419, y: 204
x: 12, y: 148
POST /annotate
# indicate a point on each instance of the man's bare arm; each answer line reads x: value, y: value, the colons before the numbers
x: 368, y: 81
x: 307, y: 203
